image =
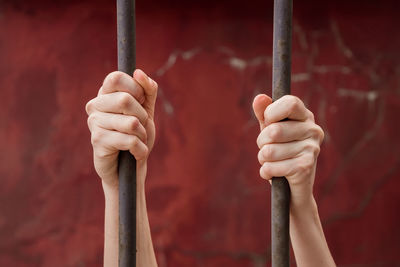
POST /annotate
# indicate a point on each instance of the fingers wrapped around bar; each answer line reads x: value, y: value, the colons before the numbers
x: 120, y: 117
x: 108, y: 140
x: 289, y: 141
x: 121, y: 82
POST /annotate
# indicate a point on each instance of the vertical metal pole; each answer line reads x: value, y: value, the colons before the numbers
x: 280, y: 196
x: 127, y: 163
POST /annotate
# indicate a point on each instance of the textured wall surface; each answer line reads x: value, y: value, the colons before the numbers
x: 207, y: 206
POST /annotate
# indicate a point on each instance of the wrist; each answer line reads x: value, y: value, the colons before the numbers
x: 111, y: 191
x: 304, y: 206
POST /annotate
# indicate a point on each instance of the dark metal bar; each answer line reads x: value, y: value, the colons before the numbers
x: 127, y: 163
x: 280, y: 196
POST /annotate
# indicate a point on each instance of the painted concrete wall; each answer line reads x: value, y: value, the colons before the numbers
x: 207, y: 205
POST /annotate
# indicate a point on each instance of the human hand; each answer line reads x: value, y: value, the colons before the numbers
x: 289, y: 143
x: 121, y: 117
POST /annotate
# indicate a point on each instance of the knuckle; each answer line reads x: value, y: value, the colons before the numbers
x: 124, y: 101
x: 141, y: 154
x: 313, y: 149
x: 293, y: 102
x: 268, y: 152
x: 91, y: 119
x: 89, y: 107
x: 133, y: 142
x: 314, y: 131
x: 321, y: 134
x: 114, y: 78
x: 145, y: 151
x: 96, y: 137
x: 317, y: 132
x: 311, y: 116
x: 133, y: 123
x: 274, y: 131
x: 259, y: 140
x: 266, y: 171
x: 260, y: 157
x: 316, y: 151
x: 263, y: 171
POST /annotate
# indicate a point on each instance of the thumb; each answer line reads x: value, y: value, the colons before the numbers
x: 260, y: 103
x: 150, y: 88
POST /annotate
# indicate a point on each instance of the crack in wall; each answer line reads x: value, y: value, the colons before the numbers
x: 371, y: 96
x: 367, y: 198
x: 339, y: 40
x: 310, y: 47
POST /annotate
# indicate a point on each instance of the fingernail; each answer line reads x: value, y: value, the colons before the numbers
x: 145, y: 75
x: 140, y: 72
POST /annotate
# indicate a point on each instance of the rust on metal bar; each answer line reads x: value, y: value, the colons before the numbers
x: 126, y: 162
x: 280, y: 196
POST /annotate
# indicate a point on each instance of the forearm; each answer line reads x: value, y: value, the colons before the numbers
x: 307, y: 236
x: 111, y: 226
x: 144, y: 244
x: 145, y: 256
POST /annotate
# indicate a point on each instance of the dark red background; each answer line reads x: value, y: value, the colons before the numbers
x: 207, y: 206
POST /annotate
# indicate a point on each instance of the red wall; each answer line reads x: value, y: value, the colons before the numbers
x: 207, y: 205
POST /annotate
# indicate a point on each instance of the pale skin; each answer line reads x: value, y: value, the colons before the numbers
x: 121, y: 117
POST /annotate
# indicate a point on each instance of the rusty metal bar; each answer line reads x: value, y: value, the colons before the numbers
x: 280, y: 196
x: 127, y: 163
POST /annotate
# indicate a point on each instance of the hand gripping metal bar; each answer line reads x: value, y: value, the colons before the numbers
x: 126, y: 162
x: 280, y: 196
